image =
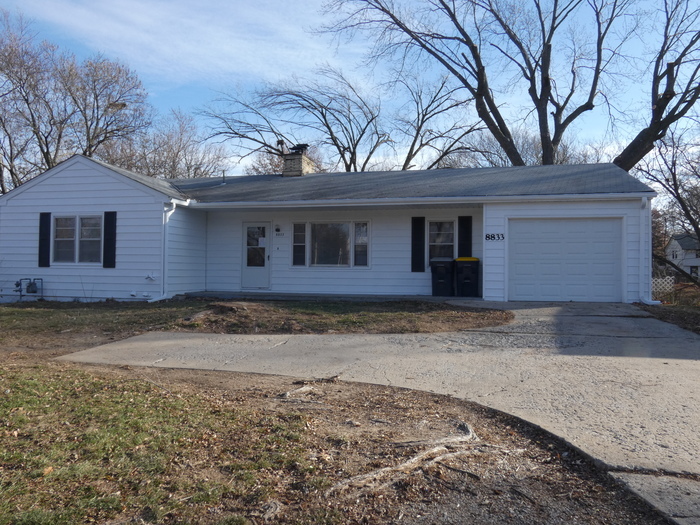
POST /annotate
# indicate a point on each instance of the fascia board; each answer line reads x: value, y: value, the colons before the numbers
x: 431, y: 201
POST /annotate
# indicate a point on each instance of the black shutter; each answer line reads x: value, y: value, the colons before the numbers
x: 109, y: 245
x: 464, y: 236
x: 44, y: 240
x: 417, y: 244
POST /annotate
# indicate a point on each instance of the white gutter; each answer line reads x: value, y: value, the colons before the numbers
x: 414, y: 201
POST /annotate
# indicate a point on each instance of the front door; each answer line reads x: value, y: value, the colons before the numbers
x: 255, y: 271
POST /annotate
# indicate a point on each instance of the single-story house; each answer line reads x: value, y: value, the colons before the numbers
x: 85, y: 230
x: 684, y: 251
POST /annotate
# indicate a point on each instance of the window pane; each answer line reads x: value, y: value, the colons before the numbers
x: 299, y: 245
x: 91, y: 228
x: 361, y: 242
x: 65, y: 222
x: 444, y: 250
x: 360, y: 255
x: 90, y: 251
x: 441, y: 239
x: 256, y: 236
x: 64, y: 251
x: 300, y: 234
x: 299, y: 255
x: 330, y: 244
x: 361, y: 233
x: 65, y: 228
x: 256, y: 256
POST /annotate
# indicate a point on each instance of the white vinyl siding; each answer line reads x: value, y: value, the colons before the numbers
x: 92, y: 191
x: 389, y: 265
x: 186, y: 247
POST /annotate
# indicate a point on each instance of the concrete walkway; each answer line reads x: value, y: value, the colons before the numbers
x: 614, y: 382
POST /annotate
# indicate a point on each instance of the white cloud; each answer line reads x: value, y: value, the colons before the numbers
x: 183, y: 42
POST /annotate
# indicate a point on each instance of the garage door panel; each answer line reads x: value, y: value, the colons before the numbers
x: 565, y: 259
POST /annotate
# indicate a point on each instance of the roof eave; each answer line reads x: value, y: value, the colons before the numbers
x: 481, y: 199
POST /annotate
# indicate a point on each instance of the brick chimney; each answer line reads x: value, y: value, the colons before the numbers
x: 296, y: 163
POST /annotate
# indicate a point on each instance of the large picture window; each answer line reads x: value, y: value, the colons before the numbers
x: 343, y: 244
x: 77, y: 239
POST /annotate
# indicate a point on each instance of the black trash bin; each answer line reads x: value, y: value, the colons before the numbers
x: 467, y: 277
x: 442, y: 269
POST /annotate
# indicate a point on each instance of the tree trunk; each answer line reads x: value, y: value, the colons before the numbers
x: 637, y: 149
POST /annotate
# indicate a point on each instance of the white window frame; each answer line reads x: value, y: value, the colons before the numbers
x: 77, y: 229
x: 353, y: 244
x: 454, y: 237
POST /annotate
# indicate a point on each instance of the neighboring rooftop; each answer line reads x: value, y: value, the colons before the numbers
x: 584, y: 179
x: 687, y: 241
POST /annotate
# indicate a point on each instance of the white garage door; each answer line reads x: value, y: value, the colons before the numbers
x: 565, y: 260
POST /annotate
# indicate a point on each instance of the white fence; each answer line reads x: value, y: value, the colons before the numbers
x: 662, y: 286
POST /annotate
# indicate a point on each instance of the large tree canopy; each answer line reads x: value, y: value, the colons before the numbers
x: 565, y: 56
x: 53, y: 106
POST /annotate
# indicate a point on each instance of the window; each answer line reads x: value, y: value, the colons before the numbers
x: 299, y: 245
x: 441, y: 239
x: 674, y: 254
x: 77, y: 239
x: 331, y: 244
x: 694, y: 271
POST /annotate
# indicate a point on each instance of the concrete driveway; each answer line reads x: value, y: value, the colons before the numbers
x: 621, y: 386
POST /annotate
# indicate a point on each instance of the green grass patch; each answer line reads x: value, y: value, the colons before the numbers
x: 48, y: 317
x: 78, y: 448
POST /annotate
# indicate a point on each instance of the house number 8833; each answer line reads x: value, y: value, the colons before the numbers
x: 495, y: 237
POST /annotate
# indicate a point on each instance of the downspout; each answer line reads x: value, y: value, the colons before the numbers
x: 645, y: 225
x: 167, y: 212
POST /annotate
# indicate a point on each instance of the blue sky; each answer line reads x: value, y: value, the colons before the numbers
x: 187, y: 51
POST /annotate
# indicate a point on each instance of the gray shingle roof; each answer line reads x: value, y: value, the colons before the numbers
x: 586, y: 179
x: 160, y: 185
x: 687, y: 241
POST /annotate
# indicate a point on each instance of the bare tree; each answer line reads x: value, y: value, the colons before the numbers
x: 329, y: 110
x: 34, y: 100
x: 51, y: 107
x: 427, y: 122
x: 108, y: 98
x: 675, y: 77
x: 675, y: 169
x: 481, y: 150
x: 433, y: 122
x: 173, y: 148
x: 538, y: 46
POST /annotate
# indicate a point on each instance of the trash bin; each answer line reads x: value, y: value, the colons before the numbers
x: 442, y: 269
x: 467, y: 277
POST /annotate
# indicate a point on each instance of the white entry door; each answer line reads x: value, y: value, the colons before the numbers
x: 255, y: 271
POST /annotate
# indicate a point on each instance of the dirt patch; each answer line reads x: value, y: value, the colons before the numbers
x: 49, y: 329
x: 346, y: 317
